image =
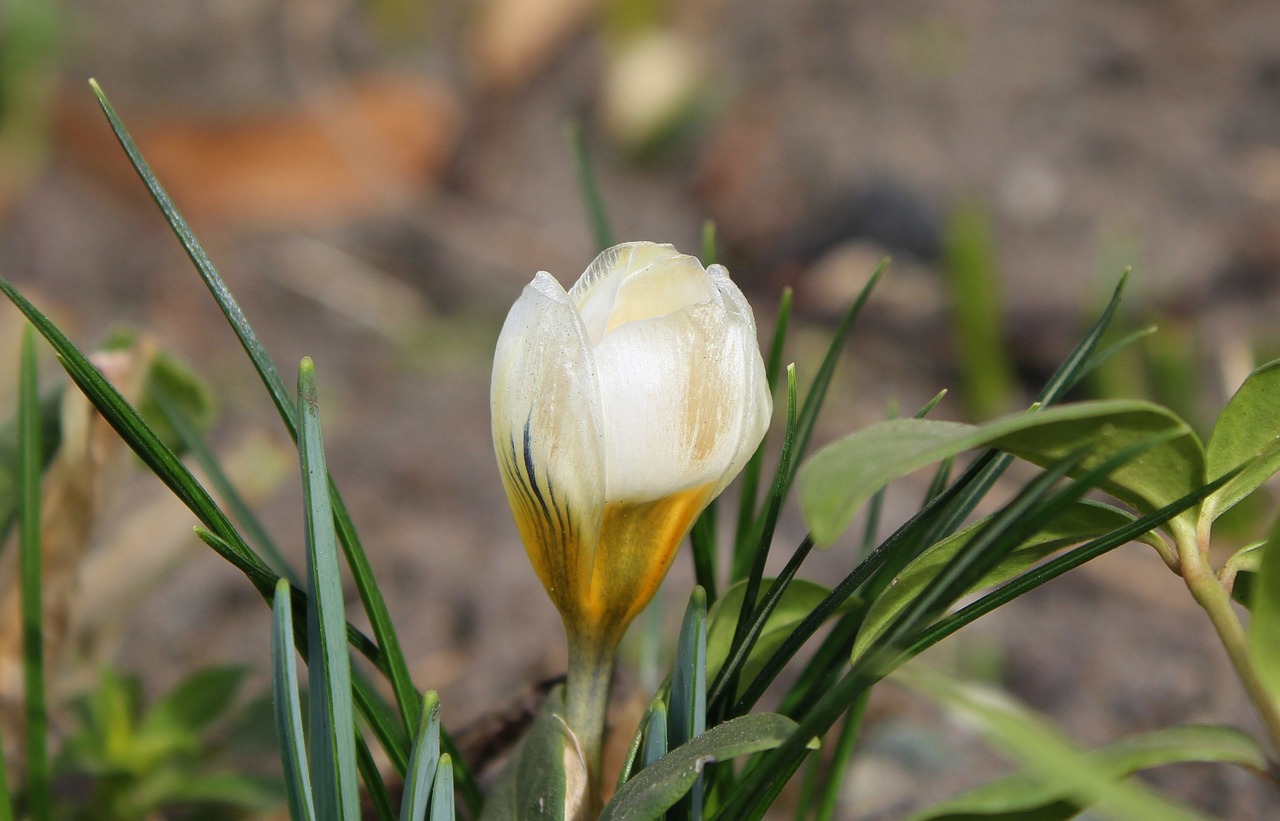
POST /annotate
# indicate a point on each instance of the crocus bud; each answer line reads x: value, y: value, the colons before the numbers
x: 621, y: 408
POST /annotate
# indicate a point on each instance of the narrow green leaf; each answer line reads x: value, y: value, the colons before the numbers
x: 423, y: 761
x: 1081, y: 522
x: 631, y: 763
x: 1023, y: 796
x: 396, y: 667
x: 688, y: 716
x: 790, y: 608
x: 743, y: 545
x: 332, y: 724
x: 709, y: 255
x: 839, y: 478
x: 822, y: 380
x: 187, y: 432
x: 376, y: 791
x: 704, y: 544
x: 588, y: 188
x: 288, y: 708
x: 31, y: 464
x: 1264, y: 627
x: 655, y: 734
x: 532, y: 786
x: 442, y: 806
x: 10, y: 471
x: 688, y: 709
x: 657, y: 788
x: 1050, y: 758
x: 1056, y: 567
x: 1247, y: 431
x: 841, y: 758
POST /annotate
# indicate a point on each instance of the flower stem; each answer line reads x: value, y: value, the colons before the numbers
x: 586, y: 705
x: 1212, y: 596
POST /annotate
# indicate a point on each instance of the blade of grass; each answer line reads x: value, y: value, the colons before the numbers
x: 709, y: 255
x: 688, y: 717
x: 743, y: 545
x: 379, y: 799
x: 423, y: 761
x: 588, y: 188
x: 822, y: 379
x: 840, y: 758
x: 727, y: 678
x: 288, y: 708
x: 375, y: 607
x: 702, y: 541
x: 217, y: 477
x: 442, y: 807
x: 30, y: 466
x: 332, y: 723
x: 1056, y: 567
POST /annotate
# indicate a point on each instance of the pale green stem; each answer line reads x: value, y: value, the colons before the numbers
x: 1213, y: 597
x: 586, y: 701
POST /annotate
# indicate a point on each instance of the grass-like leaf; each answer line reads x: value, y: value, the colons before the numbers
x: 331, y: 721
x: 288, y: 708
x: 688, y: 716
x: 743, y: 545
x: 370, y: 596
x: 1264, y: 628
x: 841, y: 756
x: 423, y: 762
x: 655, y: 734
x: 188, y: 434
x: 588, y: 188
x: 379, y: 798
x: 30, y: 467
x: 442, y: 808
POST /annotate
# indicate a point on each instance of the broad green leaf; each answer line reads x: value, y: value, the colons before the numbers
x: 1248, y: 428
x: 288, y: 707
x: 195, y: 703
x: 533, y: 785
x: 1264, y: 628
x: 1083, y: 521
x: 1022, y: 796
x: 843, y: 475
x: 799, y: 600
x: 332, y: 724
x: 657, y: 788
x: 1047, y: 756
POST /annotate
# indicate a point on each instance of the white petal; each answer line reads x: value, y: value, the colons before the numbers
x: 680, y: 396
x: 546, y: 422
x: 662, y: 287
x: 595, y: 290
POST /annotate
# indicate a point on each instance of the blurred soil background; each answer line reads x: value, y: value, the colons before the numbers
x: 378, y: 180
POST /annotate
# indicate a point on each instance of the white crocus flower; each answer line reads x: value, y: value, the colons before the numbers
x: 621, y: 408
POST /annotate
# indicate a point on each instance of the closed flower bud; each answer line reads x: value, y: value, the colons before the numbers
x: 621, y: 408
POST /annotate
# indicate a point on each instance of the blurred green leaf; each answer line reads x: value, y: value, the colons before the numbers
x: 178, y: 383
x: 50, y: 437
x: 198, y: 701
x: 1047, y: 756
x: 1264, y: 628
x: 1083, y: 521
x: 1248, y: 428
x: 1023, y: 796
x: 839, y: 478
x: 657, y: 788
x: 531, y: 787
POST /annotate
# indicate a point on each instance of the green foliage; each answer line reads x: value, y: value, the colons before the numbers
x: 532, y: 787
x: 1023, y: 796
x: 1247, y: 433
x: 139, y: 762
x: 1264, y: 633
x: 658, y: 787
x: 973, y: 280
